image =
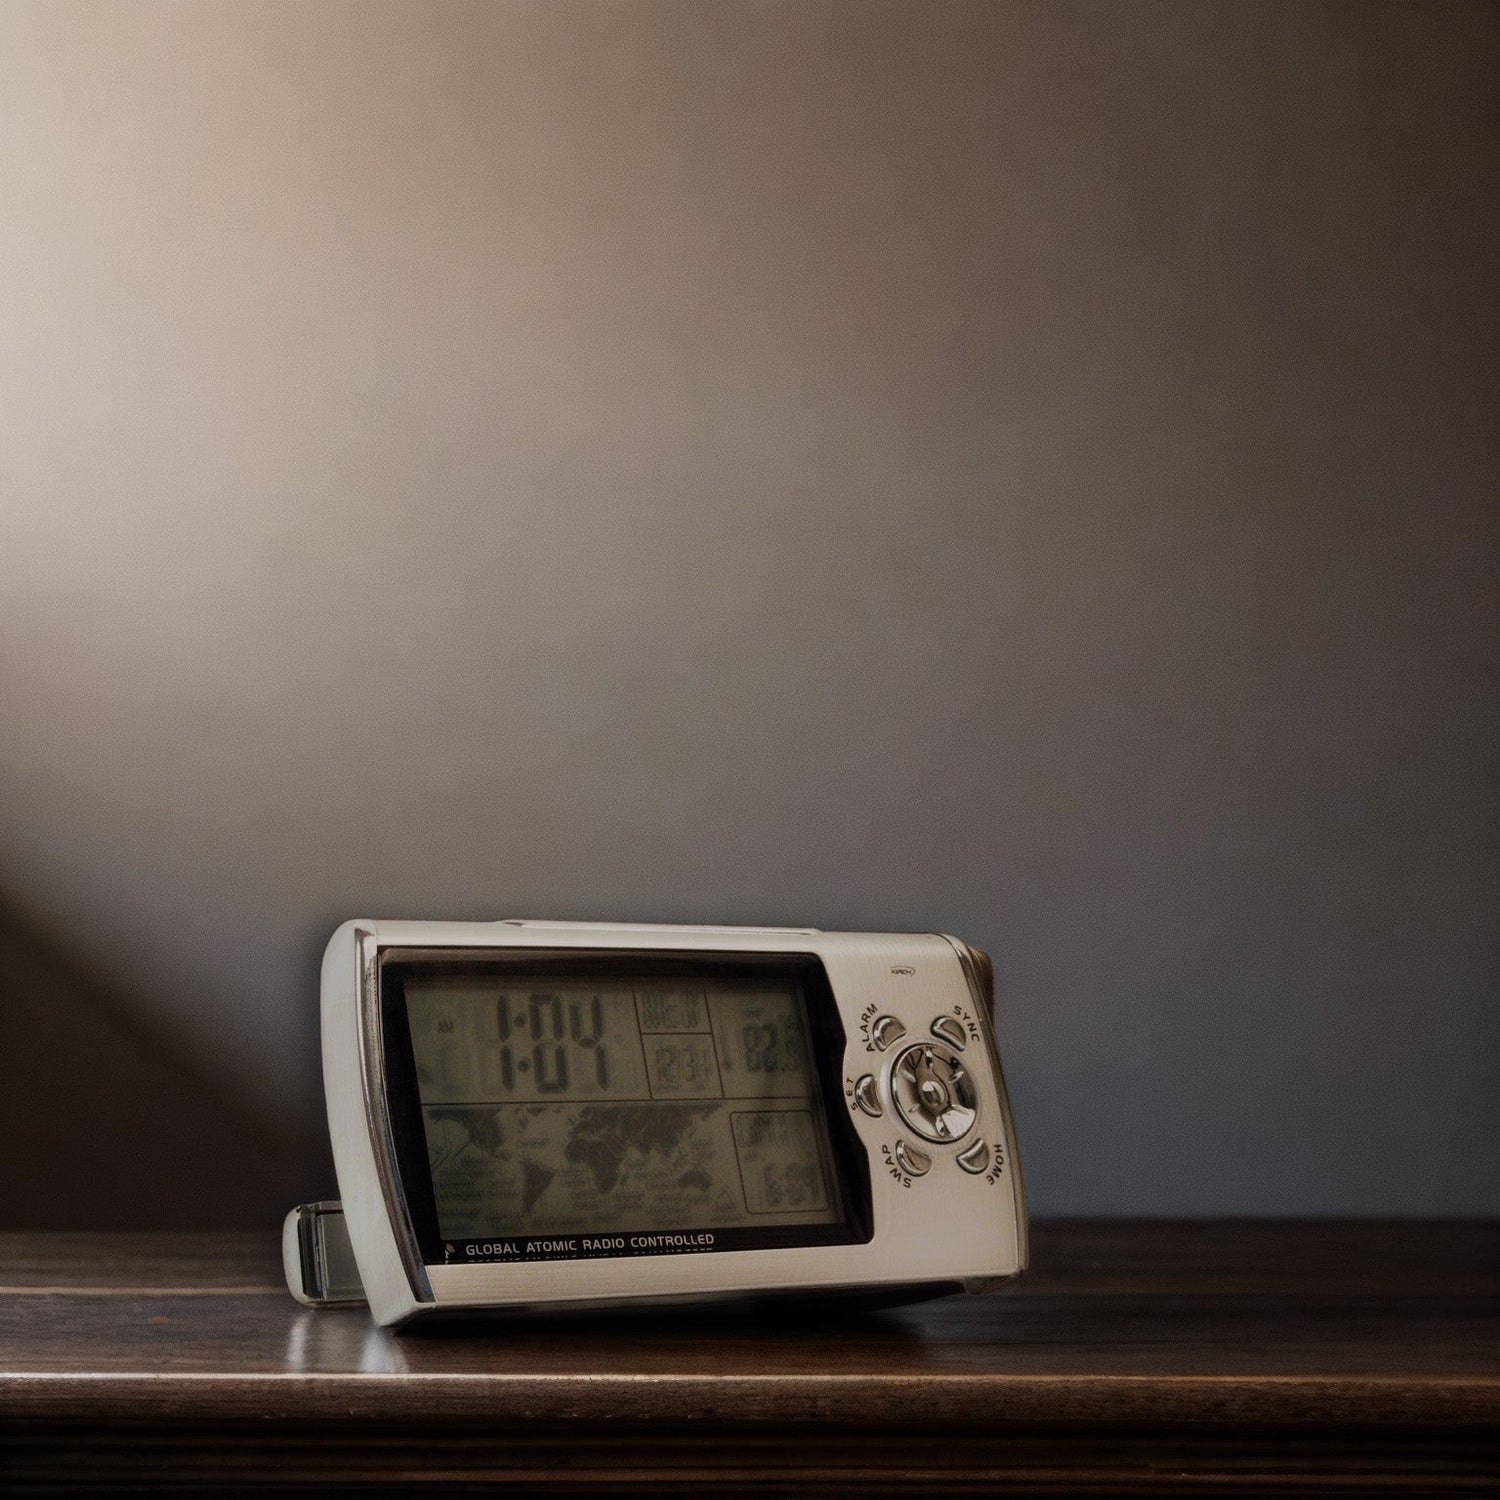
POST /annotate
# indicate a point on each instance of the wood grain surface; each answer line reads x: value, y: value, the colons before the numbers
x: 1135, y: 1358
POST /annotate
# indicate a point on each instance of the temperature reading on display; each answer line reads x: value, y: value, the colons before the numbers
x: 768, y: 1051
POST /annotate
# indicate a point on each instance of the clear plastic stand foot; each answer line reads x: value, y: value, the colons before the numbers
x: 318, y: 1259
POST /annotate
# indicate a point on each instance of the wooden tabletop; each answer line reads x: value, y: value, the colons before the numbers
x: 1134, y: 1358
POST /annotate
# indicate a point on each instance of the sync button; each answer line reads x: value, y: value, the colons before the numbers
x: 951, y: 1030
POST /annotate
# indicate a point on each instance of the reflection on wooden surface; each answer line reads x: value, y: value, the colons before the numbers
x: 1135, y: 1358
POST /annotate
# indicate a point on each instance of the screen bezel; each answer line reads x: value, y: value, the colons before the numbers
x: 848, y: 1158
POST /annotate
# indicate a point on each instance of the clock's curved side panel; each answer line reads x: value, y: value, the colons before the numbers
x: 395, y: 1283
x: 947, y: 1187
x: 979, y: 973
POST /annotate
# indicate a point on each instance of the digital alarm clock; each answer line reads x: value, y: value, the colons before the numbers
x: 537, y: 1115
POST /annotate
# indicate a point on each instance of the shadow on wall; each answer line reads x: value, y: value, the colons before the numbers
x: 108, y: 1125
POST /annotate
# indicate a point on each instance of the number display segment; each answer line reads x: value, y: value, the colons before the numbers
x: 778, y: 1156
x: 680, y: 1009
x: 762, y: 1042
x: 551, y: 1106
x: 477, y: 1044
x: 682, y: 1066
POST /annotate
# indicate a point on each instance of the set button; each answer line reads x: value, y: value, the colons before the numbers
x: 867, y: 1098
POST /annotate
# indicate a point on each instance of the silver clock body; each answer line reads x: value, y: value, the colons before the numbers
x: 920, y: 1086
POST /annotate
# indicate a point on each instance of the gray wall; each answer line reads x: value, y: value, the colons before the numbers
x: 1024, y: 470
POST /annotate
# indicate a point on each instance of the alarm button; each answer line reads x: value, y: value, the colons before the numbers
x: 885, y: 1030
x: 951, y: 1030
x: 976, y: 1158
x: 913, y: 1162
x: 866, y: 1097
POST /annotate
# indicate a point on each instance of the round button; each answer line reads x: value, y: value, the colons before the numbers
x: 933, y: 1092
x: 976, y: 1158
x: 911, y: 1160
x: 951, y: 1030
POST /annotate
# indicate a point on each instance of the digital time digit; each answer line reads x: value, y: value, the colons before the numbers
x: 560, y: 1030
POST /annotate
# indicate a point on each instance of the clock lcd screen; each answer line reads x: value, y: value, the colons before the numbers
x: 559, y: 1107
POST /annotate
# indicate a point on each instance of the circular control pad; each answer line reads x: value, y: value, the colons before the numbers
x: 933, y: 1092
